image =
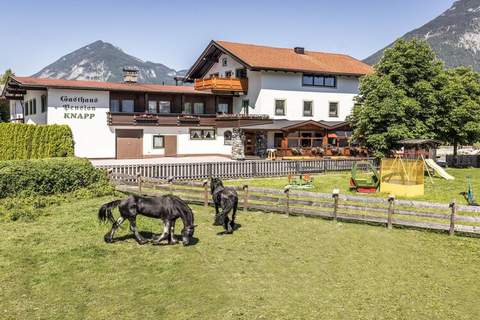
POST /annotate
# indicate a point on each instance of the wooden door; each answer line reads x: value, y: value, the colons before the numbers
x: 170, y: 146
x: 129, y: 144
x: 250, y: 142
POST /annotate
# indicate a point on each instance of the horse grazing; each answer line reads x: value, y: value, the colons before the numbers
x: 168, y: 208
x: 227, y: 199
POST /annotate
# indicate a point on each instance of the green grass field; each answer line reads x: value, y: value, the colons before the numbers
x: 440, y: 191
x: 273, y: 267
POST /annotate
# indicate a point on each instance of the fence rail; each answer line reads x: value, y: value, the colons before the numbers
x: 451, y: 218
x: 234, y: 169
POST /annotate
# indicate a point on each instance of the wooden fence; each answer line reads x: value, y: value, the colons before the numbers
x: 451, y: 218
x: 234, y: 169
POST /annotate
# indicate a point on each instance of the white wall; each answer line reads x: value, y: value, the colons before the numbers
x: 232, y: 65
x: 87, y: 119
x: 288, y: 86
x: 184, y: 144
x: 39, y: 117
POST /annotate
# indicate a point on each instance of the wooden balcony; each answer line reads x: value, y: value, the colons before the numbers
x: 222, y: 85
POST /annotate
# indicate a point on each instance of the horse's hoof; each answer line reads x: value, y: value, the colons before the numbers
x: 108, y: 239
x: 142, y: 242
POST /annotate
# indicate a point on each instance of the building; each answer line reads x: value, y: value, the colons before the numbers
x: 244, y: 100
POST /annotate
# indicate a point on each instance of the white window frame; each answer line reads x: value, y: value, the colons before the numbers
x: 284, y: 107
x: 311, y: 106
x: 338, y: 109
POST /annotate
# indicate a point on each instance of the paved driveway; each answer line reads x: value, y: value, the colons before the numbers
x: 161, y: 160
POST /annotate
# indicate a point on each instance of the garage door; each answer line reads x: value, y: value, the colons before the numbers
x: 129, y: 144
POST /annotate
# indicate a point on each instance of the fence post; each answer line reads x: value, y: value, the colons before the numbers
x: 205, y: 193
x: 335, y: 194
x: 245, y: 198
x: 453, y: 206
x: 287, y: 193
x: 139, y: 181
x: 391, y: 211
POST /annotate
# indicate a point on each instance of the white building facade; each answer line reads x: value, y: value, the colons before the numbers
x: 233, y: 97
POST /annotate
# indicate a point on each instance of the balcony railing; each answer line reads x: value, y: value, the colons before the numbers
x: 176, y: 119
x: 222, y: 84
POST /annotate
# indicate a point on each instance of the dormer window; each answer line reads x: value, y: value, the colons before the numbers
x: 224, y: 62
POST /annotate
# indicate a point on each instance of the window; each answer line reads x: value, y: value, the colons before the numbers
x: 333, y: 109
x: 164, y: 106
x: 224, y: 62
x: 319, y: 80
x: 158, y: 142
x: 187, y: 108
x: 202, y: 134
x: 228, y: 74
x: 34, y: 106
x: 214, y: 75
x: 241, y: 73
x: 227, y: 137
x: 222, y: 108
x: 114, y: 106
x: 279, y: 107
x: 198, y: 108
x: 245, y: 105
x: 25, y: 108
x: 44, y: 103
x: 307, y: 108
x: 152, y: 106
x: 128, y: 106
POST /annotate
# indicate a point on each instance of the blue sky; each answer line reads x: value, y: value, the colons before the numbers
x: 36, y: 33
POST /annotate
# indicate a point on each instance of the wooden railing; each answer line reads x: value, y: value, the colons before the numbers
x: 233, y: 169
x: 222, y: 84
x: 389, y: 212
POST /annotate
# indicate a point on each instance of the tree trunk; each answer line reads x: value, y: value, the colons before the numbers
x: 455, y: 149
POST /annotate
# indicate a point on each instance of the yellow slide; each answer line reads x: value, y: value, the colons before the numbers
x: 438, y: 170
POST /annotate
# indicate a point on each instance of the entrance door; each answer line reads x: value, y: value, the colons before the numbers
x: 250, y: 142
x: 129, y: 144
x: 170, y: 146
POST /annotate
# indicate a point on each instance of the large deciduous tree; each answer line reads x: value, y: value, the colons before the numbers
x: 399, y: 100
x: 458, y: 117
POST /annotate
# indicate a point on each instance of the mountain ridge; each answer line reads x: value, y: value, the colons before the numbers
x: 102, y: 61
x: 454, y: 35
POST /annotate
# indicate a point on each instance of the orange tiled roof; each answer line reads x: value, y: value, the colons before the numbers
x: 99, y: 85
x: 263, y: 57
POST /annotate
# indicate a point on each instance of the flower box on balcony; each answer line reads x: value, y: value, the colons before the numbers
x: 188, y: 119
x: 146, y: 118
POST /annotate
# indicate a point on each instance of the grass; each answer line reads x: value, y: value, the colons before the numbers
x: 441, y: 190
x: 273, y: 267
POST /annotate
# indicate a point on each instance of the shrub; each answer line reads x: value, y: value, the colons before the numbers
x: 26, y: 141
x: 48, y: 176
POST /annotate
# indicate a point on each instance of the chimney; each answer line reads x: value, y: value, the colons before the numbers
x: 299, y: 50
x: 130, y: 74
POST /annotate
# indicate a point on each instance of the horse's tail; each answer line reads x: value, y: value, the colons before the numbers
x: 105, y: 211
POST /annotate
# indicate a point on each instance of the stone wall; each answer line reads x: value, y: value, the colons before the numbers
x: 238, y: 149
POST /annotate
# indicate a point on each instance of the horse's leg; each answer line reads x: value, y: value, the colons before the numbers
x: 234, y: 215
x: 172, y: 239
x: 166, y: 233
x: 226, y: 223
x: 217, y: 221
x: 109, y: 236
x: 133, y: 227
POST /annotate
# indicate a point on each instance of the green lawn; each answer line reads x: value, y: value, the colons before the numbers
x: 273, y: 267
x: 440, y: 191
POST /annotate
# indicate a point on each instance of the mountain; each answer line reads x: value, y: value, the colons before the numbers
x: 104, y: 62
x: 454, y: 35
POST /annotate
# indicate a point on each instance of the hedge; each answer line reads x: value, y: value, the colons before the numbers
x: 27, y: 141
x: 47, y: 176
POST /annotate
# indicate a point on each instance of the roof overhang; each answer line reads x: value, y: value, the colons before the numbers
x: 287, y: 125
x: 208, y: 58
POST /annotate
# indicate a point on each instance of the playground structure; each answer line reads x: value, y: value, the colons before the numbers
x: 303, y: 181
x: 361, y: 182
x: 402, y: 177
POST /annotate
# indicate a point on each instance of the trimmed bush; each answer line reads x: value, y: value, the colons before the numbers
x: 27, y: 141
x: 44, y: 177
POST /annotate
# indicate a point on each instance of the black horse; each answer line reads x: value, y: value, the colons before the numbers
x: 227, y: 199
x: 168, y: 208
